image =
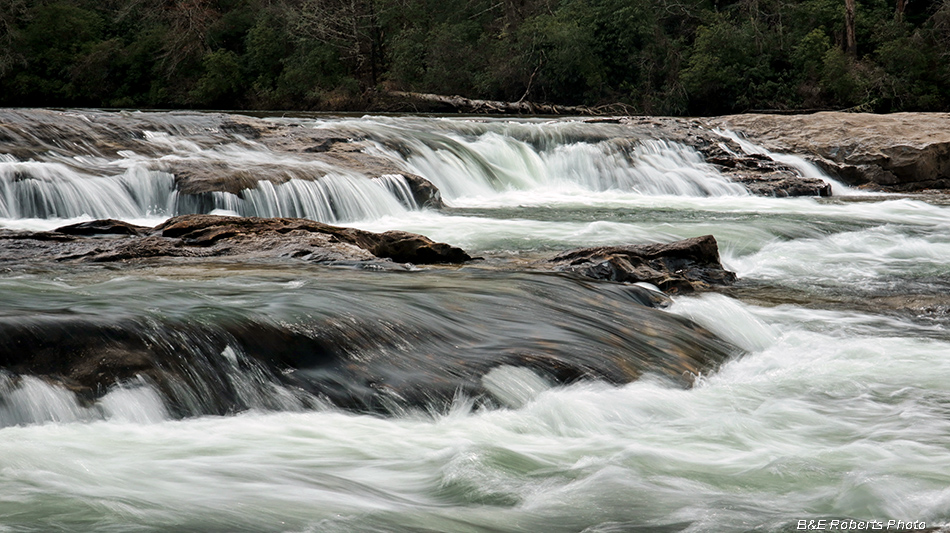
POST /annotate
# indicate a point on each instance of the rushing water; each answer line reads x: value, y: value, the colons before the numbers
x: 837, y: 408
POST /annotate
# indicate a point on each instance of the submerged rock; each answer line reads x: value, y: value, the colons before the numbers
x: 414, y: 351
x: 677, y: 267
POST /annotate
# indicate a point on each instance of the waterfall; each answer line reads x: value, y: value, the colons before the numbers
x: 334, y: 198
x: 464, y: 160
x: 803, y: 166
x: 53, y: 190
x: 496, y: 158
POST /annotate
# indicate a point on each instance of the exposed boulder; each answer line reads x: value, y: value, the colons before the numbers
x: 424, y: 192
x: 678, y: 267
x: 103, y: 227
x: 780, y: 183
x: 898, y: 152
x: 205, y: 236
x: 400, y: 246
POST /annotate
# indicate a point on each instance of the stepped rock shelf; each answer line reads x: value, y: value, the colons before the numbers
x: 185, y: 167
x: 91, y: 354
x: 904, y: 152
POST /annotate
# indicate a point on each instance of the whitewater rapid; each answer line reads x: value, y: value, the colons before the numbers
x: 832, y: 415
x: 837, y: 408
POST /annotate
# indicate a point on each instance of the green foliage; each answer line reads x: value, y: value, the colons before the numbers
x: 840, y: 79
x: 566, y: 68
x: 312, y: 77
x: 733, y: 66
x: 656, y: 56
x: 809, y: 54
x: 222, y: 82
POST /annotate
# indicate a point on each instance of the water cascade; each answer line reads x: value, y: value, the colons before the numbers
x: 474, y: 160
x: 283, y: 394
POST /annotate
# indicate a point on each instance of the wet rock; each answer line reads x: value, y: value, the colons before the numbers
x: 424, y: 192
x: 404, y: 247
x: 207, y: 230
x: 678, y: 267
x: 325, y: 145
x: 240, y: 128
x: 197, y: 178
x: 103, y: 227
x: 206, y: 236
x: 361, y: 364
x: 758, y: 173
x: 899, y: 152
x: 780, y: 183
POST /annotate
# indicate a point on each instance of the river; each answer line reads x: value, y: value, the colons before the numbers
x: 836, y: 406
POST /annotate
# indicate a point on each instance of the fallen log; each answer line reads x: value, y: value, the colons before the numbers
x: 521, y: 107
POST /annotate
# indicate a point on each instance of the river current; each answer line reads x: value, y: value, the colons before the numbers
x: 838, y: 407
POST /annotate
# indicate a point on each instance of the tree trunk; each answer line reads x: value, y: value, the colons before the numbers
x: 850, y: 45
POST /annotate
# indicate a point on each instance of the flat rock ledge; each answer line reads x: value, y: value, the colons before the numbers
x: 210, y: 236
x: 898, y: 152
x: 676, y: 268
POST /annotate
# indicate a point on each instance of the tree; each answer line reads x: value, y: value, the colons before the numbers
x: 850, y: 45
x: 12, y: 12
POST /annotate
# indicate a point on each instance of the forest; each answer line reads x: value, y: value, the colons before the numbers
x: 660, y: 57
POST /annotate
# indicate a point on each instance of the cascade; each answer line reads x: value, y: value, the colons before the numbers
x: 185, y: 392
x: 463, y: 159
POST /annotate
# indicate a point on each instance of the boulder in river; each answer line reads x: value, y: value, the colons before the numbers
x: 678, y: 267
x: 209, y: 236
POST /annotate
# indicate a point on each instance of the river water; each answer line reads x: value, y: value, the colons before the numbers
x: 836, y: 406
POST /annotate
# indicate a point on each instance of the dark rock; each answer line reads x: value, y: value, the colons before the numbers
x: 324, y: 145
x: 358, y: 363
x: 199, y: 178
x: 406, y: 247
x: 678, y: 267
x: 143, y: 248
x: 206, y: 230
x: 424, y: 192
x: 240, y: 128
x: 102, y: 227
x: 204, y: 236
x: 18, y: 235
x: 780, y: 184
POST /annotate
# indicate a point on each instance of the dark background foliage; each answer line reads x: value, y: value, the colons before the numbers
x: 657, y: 57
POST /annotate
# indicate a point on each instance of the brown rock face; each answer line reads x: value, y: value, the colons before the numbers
x: 400, y: 246
x: 198, y: 236
x: 103, y: 227
x: 678, y: 267
x: 897, y: 152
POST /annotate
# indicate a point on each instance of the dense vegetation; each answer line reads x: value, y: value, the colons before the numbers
x: 656, y: 56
